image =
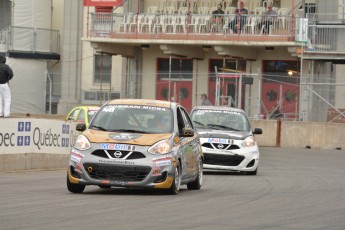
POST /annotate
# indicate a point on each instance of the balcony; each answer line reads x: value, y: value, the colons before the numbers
x: 194, y: 29
x: 27, y: 42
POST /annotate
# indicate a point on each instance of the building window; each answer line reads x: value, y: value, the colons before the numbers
x: 281, y: 71
x: 102, y: 69
x: 227, y: 65
x: 180, y: 68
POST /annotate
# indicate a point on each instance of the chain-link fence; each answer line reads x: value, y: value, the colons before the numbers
x: 263, y: 96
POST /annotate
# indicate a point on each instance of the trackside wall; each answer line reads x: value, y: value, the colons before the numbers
x: 43, y: 144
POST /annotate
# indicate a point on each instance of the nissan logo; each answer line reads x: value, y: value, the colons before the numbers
x: 220, y: 146
x: 117, y: 154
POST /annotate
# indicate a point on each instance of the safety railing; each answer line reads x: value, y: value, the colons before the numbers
x: 326, y: 38
x: 28, y: 39
x: 109, y: 25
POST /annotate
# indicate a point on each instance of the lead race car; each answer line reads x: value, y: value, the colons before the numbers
x: 137, y: 143
x: 227, y: 140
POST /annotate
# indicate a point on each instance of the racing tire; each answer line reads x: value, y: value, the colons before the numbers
x: 176, y: 184
x: 75, y: 188
x: 253, y: 173
x: 196, y: 184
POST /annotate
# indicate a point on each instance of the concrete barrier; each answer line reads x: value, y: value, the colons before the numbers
x: 43, y: 142
x: 35, y: 142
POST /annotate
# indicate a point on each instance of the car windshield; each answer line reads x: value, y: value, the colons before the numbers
x: 220, y: 120
x: 133, y: 118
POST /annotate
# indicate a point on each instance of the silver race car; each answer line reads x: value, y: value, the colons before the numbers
x: 137, y: 143
x: 227, y: 140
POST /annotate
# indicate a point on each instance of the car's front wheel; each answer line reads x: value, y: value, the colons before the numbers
x: 75, y: 188
x: 175, y: 186
x: 196, y: 184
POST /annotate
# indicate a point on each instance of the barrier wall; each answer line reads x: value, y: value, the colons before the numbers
x: 31, y: 143
x: 40, y: 143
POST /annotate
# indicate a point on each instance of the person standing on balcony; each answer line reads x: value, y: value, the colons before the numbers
x: 268, y: 19
x: 6, y: 74
x: 240, y: 19
x: 218, y: 18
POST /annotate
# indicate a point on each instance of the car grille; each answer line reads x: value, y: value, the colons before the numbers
x: 117, y: 173
x: 220, y: 146
x: 224, y: 160
x: 128, y: 155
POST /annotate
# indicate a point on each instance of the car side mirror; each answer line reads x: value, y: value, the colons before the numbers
x: 80, y: 127
x: 187, y: 132
x: 257, y: 131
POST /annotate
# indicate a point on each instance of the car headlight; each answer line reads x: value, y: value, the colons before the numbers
x: 82, y: 143
x: 161, y: 147
x: 249, y: 142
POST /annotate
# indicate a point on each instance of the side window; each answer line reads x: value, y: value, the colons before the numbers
x: 180, y: 121
x: 186, y: 119
x: 81, y: 116
x: 74, y: 115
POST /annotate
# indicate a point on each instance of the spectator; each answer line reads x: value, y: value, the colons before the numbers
x: 275, y: 113
x: 218, y: 18
x: 205, y: 100
x: 235, y: 25
x: 268, y: 19
x: 6, y: 74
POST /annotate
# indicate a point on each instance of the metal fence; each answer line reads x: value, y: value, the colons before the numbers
x: 107, y: 25
x: 15, y: 38
x: 269, y: 96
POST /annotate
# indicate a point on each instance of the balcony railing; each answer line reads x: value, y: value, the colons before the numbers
x: 193, y: 26
x: 326, y: 38
x: 27, y: 39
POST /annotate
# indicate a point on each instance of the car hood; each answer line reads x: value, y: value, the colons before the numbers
x: 237, y: 135
x: 96, y: 136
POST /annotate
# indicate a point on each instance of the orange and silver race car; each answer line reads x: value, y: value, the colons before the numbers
x: 137, y: 143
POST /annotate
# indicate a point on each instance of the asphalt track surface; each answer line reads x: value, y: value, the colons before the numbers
x: 295, y: 189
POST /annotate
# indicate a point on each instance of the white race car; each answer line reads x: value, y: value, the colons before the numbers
x: 227, y: 140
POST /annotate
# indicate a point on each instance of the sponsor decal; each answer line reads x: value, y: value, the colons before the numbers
x: 219, y: 141
x: 203, y: 111
x: 118, y: 147
x: 163, y: 163
x: 75, y: 158
x: 116, y: 162
x: 162, y: 158
x: 124, y: 136
x: 156, y: 171
x: 218, y: 151
x: 79, y: 168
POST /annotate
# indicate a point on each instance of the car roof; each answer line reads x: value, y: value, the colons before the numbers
x: 148, y: 102
x: 227, y: 108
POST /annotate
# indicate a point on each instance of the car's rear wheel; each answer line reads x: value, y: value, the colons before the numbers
x: 196, y: 184
x: 175, y: 186
x: 75, y: 188
x: 253, y: 173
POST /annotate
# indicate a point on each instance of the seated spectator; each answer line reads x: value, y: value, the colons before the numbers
x: 268, y: 19
x: 235, y: 25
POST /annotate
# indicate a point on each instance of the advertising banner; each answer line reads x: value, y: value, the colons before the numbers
x: 25, y: 135
x: 103, y: 2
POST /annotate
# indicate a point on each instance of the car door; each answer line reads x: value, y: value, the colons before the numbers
x: 195, y: 143
x: 186, y: 147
